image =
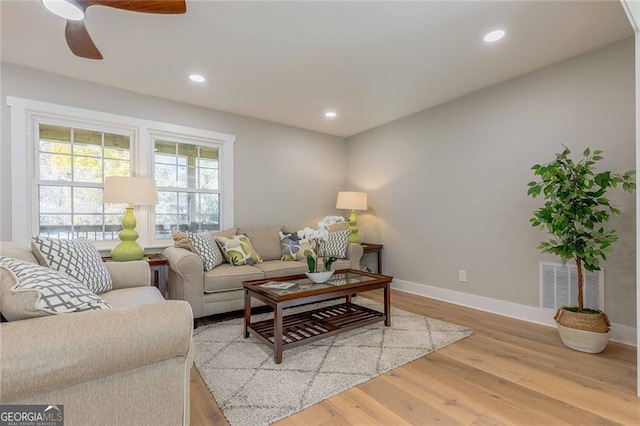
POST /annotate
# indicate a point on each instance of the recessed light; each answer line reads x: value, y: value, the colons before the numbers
x: 330, y: 114
x: 197, y: 78
x: 494, y: 36
x: 65, y: 9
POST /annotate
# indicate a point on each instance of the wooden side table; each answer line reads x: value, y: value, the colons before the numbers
x: 374, y: 248
x: 158, y: 266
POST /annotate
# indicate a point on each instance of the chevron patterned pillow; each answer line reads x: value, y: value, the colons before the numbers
x: 206, y: 247
x: 77, y: 258
x: 336, y: 245
x: 29, y: 290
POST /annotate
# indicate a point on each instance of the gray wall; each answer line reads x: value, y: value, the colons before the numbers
x: 447, y: 186
x: 283, y: 175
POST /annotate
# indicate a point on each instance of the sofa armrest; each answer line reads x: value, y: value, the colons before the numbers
x: 354, y: 254
x: 40, y: 355
x: 186, y: 278
x: 129, y: 274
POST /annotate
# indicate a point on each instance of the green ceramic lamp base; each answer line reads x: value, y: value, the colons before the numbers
x: 128, y: 249
x: 353, y: 227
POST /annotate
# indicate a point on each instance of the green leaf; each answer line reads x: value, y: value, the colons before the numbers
x: 597, y: 157
x: 586, y: 152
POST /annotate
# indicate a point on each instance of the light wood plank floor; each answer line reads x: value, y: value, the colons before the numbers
x: 508, y: 372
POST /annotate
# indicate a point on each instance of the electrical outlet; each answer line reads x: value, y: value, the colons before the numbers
x: 462, y: 276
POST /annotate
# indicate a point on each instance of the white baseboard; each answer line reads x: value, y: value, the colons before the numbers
x: 619, y: 333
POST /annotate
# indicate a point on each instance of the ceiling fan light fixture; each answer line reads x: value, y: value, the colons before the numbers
x: 64, y: 8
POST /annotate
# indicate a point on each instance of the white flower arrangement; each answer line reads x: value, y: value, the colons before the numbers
x: 327, y: 221
x: 322, y: 233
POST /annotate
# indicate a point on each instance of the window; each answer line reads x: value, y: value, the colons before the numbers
x: 72, y: 164
x: 67, y: 152
x: 188, y: 187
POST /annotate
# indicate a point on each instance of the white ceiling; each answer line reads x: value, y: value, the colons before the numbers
x: 289, y: 62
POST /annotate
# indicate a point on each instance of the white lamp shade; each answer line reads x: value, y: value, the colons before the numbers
x: 130, y: 190
x: 349, y: 200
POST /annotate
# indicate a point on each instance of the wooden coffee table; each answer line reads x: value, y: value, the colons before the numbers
x: 287, y: 332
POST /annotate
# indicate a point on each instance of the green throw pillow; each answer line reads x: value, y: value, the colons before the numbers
x: 238, y: 250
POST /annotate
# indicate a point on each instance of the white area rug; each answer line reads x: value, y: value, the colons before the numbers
x: 252, y: 390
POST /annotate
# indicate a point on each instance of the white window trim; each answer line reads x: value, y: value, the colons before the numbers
x: 24, y: 112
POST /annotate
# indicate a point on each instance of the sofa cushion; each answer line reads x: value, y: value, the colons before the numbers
x: 206, y: 247
x: 134, y: 296
x: 266, y: 241
x: 279, y: 268
x: 28, y: 290
x: 227, y: 277
x: 293, y: 248
x: 336, y: 245
x: 238, y: 250
x: 77, y: 258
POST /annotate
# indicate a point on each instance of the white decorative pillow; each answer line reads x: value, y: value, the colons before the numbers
x: 77, y: 258
x: 336, y: 245
x: 205, y: 246
x: 28, y: 290
x: 293, y: 248
x: 238, y: 250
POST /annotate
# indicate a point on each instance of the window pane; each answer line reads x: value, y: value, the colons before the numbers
x: 87, y: 200
x: 208, y: 204
x: 208, y: 179
x: 55, y: 133
x: 209, y: 153
x: 87, y: 169
x: 117, y: 168
x: 87, y: 142
x: 117, y: 146
x: 165, y: 159
x: 55, y: 167
x: 167, y: 203
x: 165, y: 147
x: 166, y: 175
x: 186, y: 177
x: 55, y: 147
x: 54, y: 199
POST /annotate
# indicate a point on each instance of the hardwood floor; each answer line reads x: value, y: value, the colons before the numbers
x: 508, y: 372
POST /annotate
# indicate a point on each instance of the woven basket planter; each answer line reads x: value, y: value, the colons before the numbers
x: 583, y: 332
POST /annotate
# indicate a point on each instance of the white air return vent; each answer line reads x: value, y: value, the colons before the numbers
x: 559, y: 286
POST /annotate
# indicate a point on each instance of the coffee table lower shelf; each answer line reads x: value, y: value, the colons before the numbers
x: 306, y: 327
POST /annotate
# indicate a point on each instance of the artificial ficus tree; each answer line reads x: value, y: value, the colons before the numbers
x: 576, y: 209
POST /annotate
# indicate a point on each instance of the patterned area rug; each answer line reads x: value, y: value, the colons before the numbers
x: 252, y: 390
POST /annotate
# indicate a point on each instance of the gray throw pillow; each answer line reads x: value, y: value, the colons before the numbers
x: 77, y: 258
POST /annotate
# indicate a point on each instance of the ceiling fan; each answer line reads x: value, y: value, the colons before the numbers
x: 73, y: 11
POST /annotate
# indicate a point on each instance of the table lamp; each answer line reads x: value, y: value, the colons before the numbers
x: 353, y: 201
x: 129, y: 190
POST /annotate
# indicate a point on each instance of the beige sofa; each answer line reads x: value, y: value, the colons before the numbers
x: 122, y: 366
x: 220, y: 290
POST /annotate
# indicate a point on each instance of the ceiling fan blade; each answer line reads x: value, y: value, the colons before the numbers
x: 146, y: 6
x: 79, y: 40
